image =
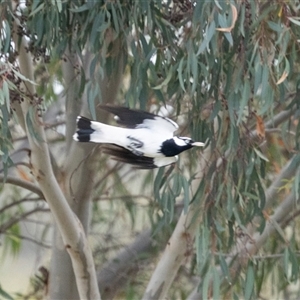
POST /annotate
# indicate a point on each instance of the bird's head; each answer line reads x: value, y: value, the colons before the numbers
x: 177, y: 145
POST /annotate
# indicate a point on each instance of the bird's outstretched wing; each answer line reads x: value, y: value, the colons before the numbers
x: 139, y: 162
x: 132, y: 118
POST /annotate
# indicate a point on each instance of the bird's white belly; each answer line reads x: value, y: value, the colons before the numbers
x: 150, y: 142
x: 143, y: 141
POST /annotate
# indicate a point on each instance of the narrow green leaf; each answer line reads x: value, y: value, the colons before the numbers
x: 166, y: 81
x: 206, y: 284
x: 170, y: 208
x: 31, y: 125
x: 93, y: 65
x: 180, y: 75
x: 35, y: 11
x: 199, y: 192
x: 93, y: 91
x: 296, y: 185
x: 82, y: 8
x: 194, y: 68
x: 22, y: 77
x: 158, y: 182
x: 279, y: 229
x: 229, y: 38
x: 5, y: 295
x: 244, y: 100
x: 177, y: 185
x: 257, y: 76
x: 58, y: 5
x: 275, y: 26
x: 82, y: 82
x: 159, y: 95
x: 4, y: 95
x: 259, y: 154
x: 249, y: 283
x: 218, y: 4
x: 216, y: 284
x: 198, y: 9
x: 242, y: 20
x: 295, y: 20
x: 94, y: 33
x: 186, y: 193
x: 224, y: 267
x: 115, y: 19
x: 209, y: 33
x: 294, y: 264
x: 287, y: 66
x: 260, y: 277
x: 7, y: 36
x: 286, y: 262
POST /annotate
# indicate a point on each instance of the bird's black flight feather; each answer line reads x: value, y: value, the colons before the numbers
x: 128, y: 117
x: 123, y: 155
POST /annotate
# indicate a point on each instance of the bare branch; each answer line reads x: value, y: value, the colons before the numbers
x: 34, y: 241
x: 12, y: 221
x: 115, y: 272
x: 287, y: 172
x: 8, y: 206
x: 22, y: 183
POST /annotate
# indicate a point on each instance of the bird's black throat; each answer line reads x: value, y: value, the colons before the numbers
x: 170, y: 148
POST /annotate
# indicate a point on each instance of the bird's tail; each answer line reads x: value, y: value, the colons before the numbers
x: 84, y: 130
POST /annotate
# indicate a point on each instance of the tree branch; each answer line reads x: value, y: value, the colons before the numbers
x: 34, y: 241
x: 8, y: 206
x: 12, y: 221
x: 69, y: 226
x: 115, y: 272
x: 277, y: 120
x: 22, y: 183
x: 287, y: 172
x: 179, y: 245
x: 240, y: 257
x: 73, y: 101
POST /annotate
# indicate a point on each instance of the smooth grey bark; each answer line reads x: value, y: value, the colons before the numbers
x: 79, y: 167
x: 74, y: 239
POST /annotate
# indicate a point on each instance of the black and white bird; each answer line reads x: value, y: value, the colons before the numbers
x: 146, y: 141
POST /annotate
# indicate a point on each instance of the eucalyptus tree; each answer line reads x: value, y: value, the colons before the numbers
x: 220, y: 223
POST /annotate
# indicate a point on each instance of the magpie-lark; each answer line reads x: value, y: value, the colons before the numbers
x: 146, y: 141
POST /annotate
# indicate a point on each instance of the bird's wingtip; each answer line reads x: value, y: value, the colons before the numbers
x: 75, y: 137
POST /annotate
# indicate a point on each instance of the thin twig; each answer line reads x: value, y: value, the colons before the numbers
x: 23, y: 237
x: 5, y: 207
x: 16, y: 219
x: 22, y: 183
x: 257, y: 257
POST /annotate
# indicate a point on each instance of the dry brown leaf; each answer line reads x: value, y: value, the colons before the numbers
x: 260, y: 127
x: 234, y: 18
x: 283, y: 77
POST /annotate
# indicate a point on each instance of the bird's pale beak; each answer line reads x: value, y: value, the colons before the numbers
x: 198, y: 144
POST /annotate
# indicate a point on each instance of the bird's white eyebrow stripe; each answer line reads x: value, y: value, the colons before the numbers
x: 178, y: 141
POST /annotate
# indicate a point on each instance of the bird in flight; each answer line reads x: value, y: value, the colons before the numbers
x: 145, y: 141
